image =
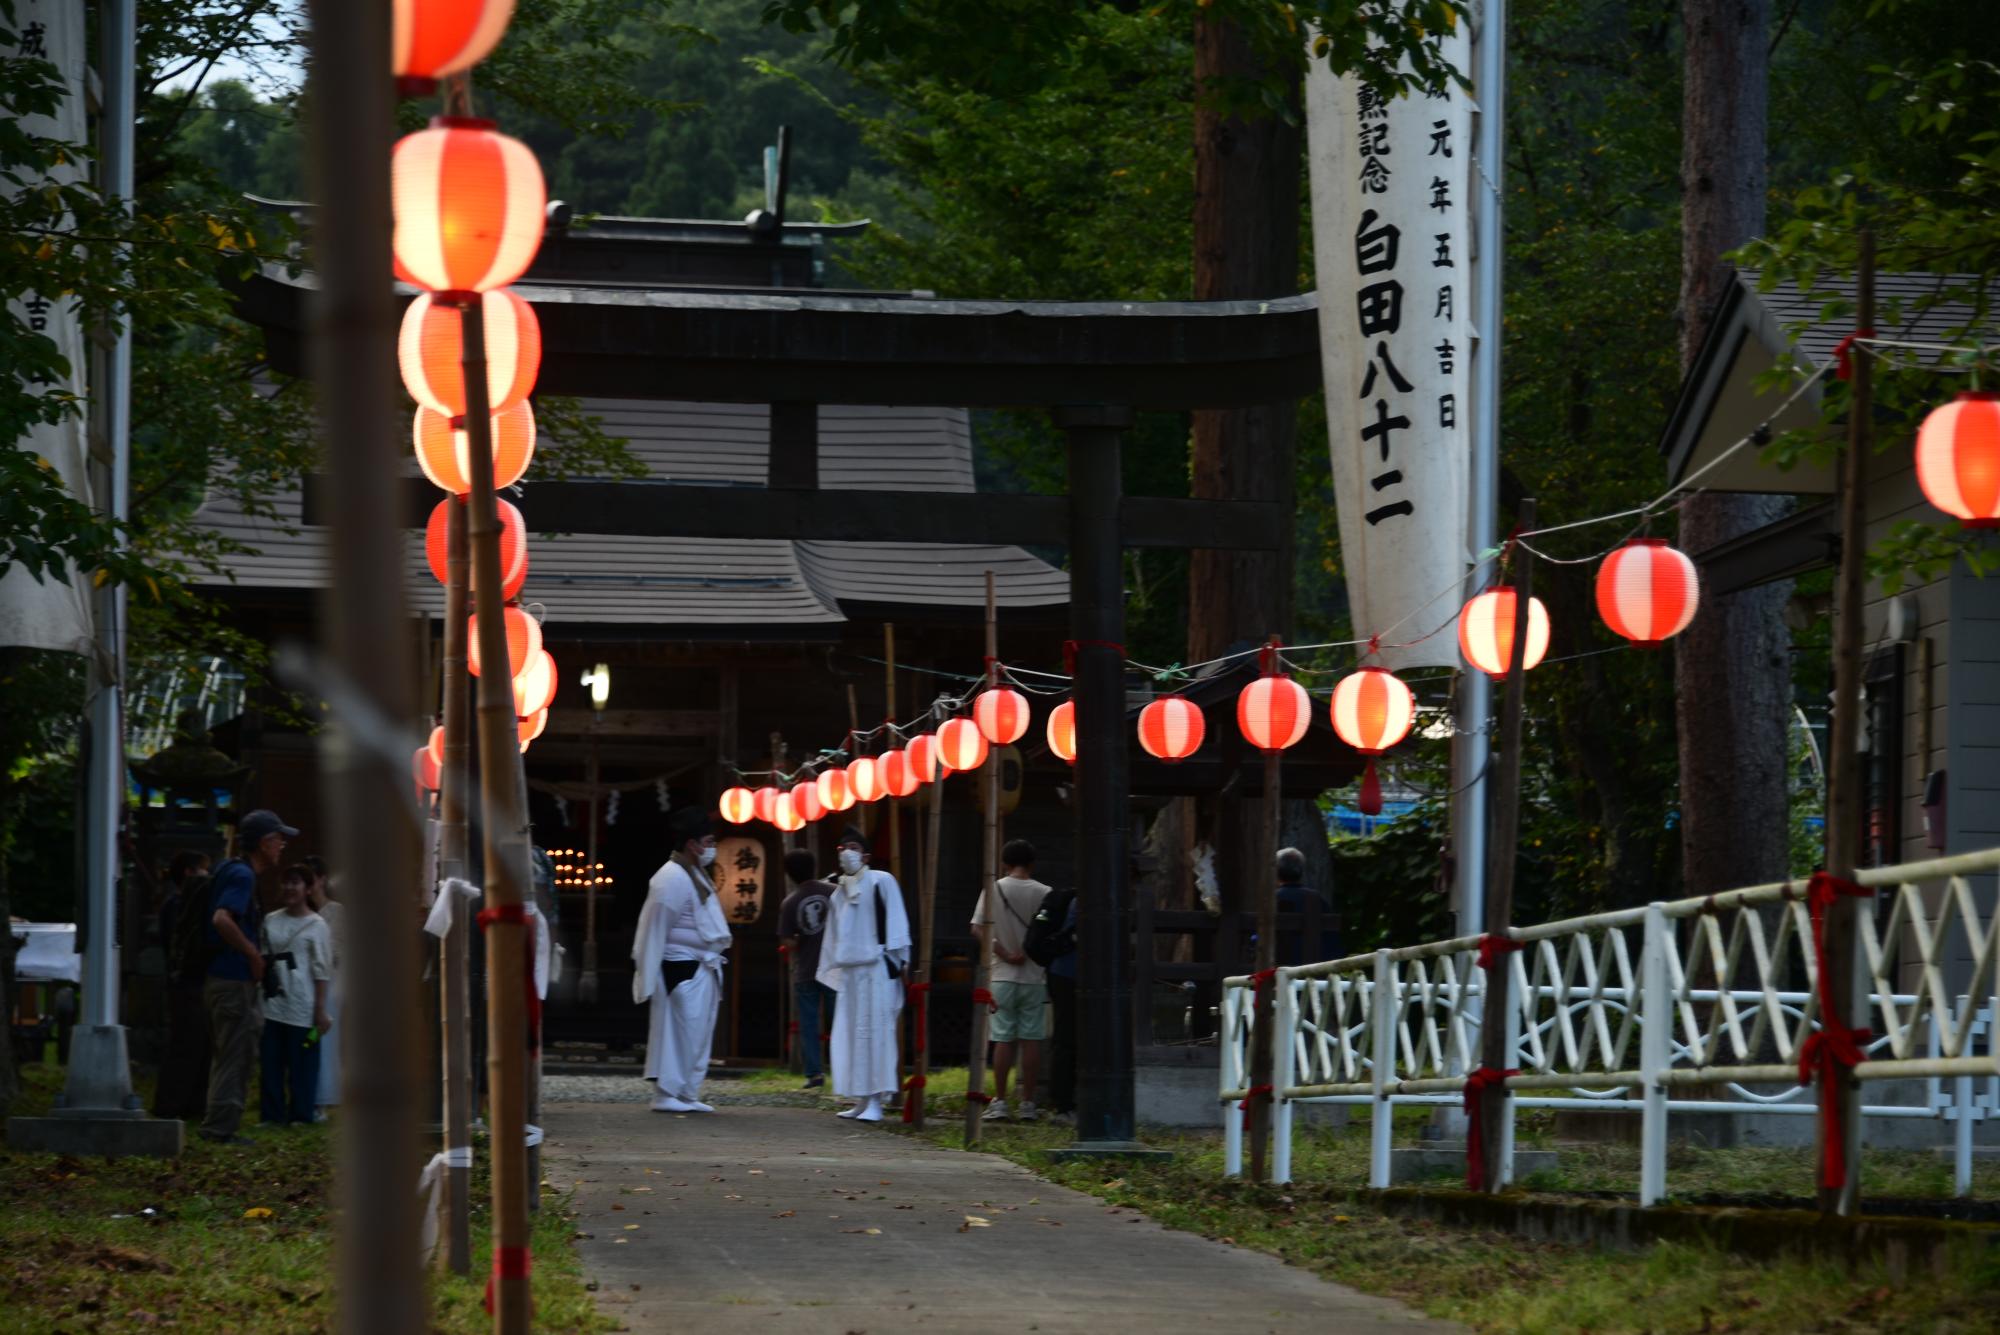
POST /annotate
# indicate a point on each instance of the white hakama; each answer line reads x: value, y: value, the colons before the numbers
x: 865, y: 926
x: 682, y: 921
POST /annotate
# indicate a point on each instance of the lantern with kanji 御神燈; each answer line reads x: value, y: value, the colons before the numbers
x: 764, y: 803
x: 431, y: 349
x: 785, y: 814
x: 1172, y: 727
x: 1372, y: 711
x: 524, y: 641
x: 864, y: 779
x: 898, y: 778
x: 1486, y: 631
x: 923, y: 754
x: 1958, y: 459
x: 1002, y: 715
x: 1646, y: 591
x: 444, y: 451
x: 835, y: 793
x: 1061, y: 731
x: 432, y: 38
x: 805, y: 801
x: 424, y: 769
x: 436, y: 745
x: 738, y: 805
x: 535, y: 687
x: 1273, y: 712
x: 468, y: 204
x: 960, y: 745
x: 531, y: 727
x: 513, y: 546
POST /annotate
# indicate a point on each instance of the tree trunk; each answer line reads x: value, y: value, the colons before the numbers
x: 1732, y: 666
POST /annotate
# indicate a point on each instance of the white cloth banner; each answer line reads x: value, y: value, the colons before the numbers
x: 438, y: 924
x: 51, y: 614
x: 1391, y: 186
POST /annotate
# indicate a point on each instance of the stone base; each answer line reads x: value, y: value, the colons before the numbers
x: 1448, y: 1161
x: 1109, y: 1149
x: 91, y: 1134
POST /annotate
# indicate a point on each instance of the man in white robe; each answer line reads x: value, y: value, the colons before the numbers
x: 677, y: 965
x: 862, y: 956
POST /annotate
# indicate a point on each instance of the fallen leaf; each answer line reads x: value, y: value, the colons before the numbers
x: 638, y: 1190
x: 785, y: 1214
x: 973, y: 1221
x: 756, y: 1172
x: 616, y: 1206
x: 621, y: 1241
x: 1052, y: 1223
x: 257, y: 1212
x: 630, y: 1227
x: 1342, y: 1219
x: 870, y: 1231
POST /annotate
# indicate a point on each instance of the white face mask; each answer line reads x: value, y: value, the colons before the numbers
x: 708, y: 855
x: 850, y: 861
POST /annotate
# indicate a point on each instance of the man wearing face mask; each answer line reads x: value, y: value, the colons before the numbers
x: 677, y: 964
x: 862, y: 955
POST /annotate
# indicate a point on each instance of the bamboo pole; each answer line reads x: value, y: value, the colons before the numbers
x: 454, y: 992
x: 366, y: 645
x: 926, y: 939
x: 1495, y: 1049
x: 1844, y: 984
x: 1262, y: 1054
x: 889, y: 715
x: 982, y: 962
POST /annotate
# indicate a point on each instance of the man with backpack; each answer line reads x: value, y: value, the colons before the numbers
x: 1001, y: 920
x: 235, y: 972
x: 1051, y: 943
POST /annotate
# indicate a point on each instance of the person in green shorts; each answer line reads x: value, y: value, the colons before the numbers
x: 1019, y: 988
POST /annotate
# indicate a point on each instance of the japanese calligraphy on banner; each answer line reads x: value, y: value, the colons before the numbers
x: 739, y: 878
x: 1390, y: 204
x: 49, y: 613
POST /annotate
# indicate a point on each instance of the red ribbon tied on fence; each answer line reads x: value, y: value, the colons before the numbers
x: 1249, y: 1104
x: 1261, y: 980
x: 1843, y: 353
x: 1492, y: 946
x: 508, y: 1263
x: 1836, y: 1047
x: 1476, y: 1085
x: 517, y: 914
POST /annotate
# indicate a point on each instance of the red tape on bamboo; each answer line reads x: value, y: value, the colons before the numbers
x: 1476, y: 1085
x: 1836, y: 1047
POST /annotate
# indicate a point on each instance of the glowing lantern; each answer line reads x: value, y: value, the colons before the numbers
x: 806, y: 803
x: 513, y: 546
x: 444, y: 452
x: 764, y: 803
x: 524, y: 641
x: 898, y: 779
x: 738, y: 805
x: 531, y: 727
x: 923, y: 754
x: 1002, y: 715
x: 785, y: 816
x: 1486, y: 631
x: 1372, y: 711
x: 468, y: 203
x: 433, y: 38
x: 835, y: 793
x: 1172, y: 728
x: 1273, y: 712
x: 424, y: 769
x: 431, y: 349
x: 436, y: 745
x: 864, y: 780
x: 1646, y: 591
x: 1061, y: 731
x: 535, y: 688
x: 961, y: 745
x: 1958, y: 459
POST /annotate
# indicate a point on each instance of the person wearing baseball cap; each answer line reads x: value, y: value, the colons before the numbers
x: 232, y: 992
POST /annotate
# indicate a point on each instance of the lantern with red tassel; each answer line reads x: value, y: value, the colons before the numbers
x: 898, y: 778
x: 1486, y: 631
x: 835, y: 793
x: 864, y: 779
x: 1372, y: 711
x: 1002, y: 715
x: 1646, y: 591
x: 923, y: 756
x: 431, y: 349
x: 764, y: 803
x: 960, y: 745
x: 433, y: 38
x: 805, y: 801
x: 738, y: 805
x: 468, y: 204
x: 444, y: 450
x: 1172, y: 728
x: 1061, y: 731
x: 524, y: 641
x: 1273, y: 712
x: 513, y: 546
x: 1958, y: 459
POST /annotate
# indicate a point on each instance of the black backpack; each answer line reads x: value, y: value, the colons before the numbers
x: 191, y: 952
x: 1047, y: 940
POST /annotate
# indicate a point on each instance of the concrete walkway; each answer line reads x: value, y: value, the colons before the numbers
x: 785, y: 1219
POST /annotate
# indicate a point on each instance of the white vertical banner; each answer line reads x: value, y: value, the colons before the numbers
x: 50, y: 614
x: 1390, y: 203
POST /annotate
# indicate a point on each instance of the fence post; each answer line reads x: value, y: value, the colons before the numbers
x: 1284, y: 1054
x: 1656, y: 1017
x: 1231, y: 1065
x: 1511, y: 1026
x: 1382, y: 1019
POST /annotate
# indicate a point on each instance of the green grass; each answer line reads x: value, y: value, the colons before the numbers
x: 1494, y: 1281
x: 77, y: 1249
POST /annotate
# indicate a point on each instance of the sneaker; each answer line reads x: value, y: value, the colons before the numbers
x: 668, y: 1103
x: 1029, y: 1113
x: 817, y: 1082
x: 996, y: 1111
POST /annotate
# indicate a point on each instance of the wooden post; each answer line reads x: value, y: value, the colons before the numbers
x: 454, y: 989
x: 1265, y: 890
x: 982, y: 963
x: 889, y: 715
x: 1495, y: 1052
x: 504, y: 835
x: 1842, y: 987
x: 353, y: 346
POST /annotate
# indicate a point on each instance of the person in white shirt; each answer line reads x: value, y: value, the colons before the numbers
x: 677, y: 964
x: 1020, y: 988
x: 862, y: 955
x: 298, y: 948
x: 320, y: 896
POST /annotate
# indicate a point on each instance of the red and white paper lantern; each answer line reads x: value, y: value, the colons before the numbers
x: 738, y: 806
x: 864, y: 779
x: 1486, y: 631
x: 1647, y: 591
x: 923, y: 754
x: 1172, y: 728
x: 805, y: 801
x: 424, y: 769
x: 835, y: 793
x: 1274, y: 712
x: 764, y: 803
x: 513, y: 546
x: 468, y: 204
x: 1958, y: 459
x: 436, y: 745
x: 785, y: 815
x: 1372, y: 711
x: 432, y: 38
x: 524, y: 641
x: 444, y: 451
x: 1061, y: 731
x: 898, y: 778
x: 431, y: 350
x: 531, y: 727
x: 961, y: 745
x: 1002, y: 715
x: 535, y: 688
